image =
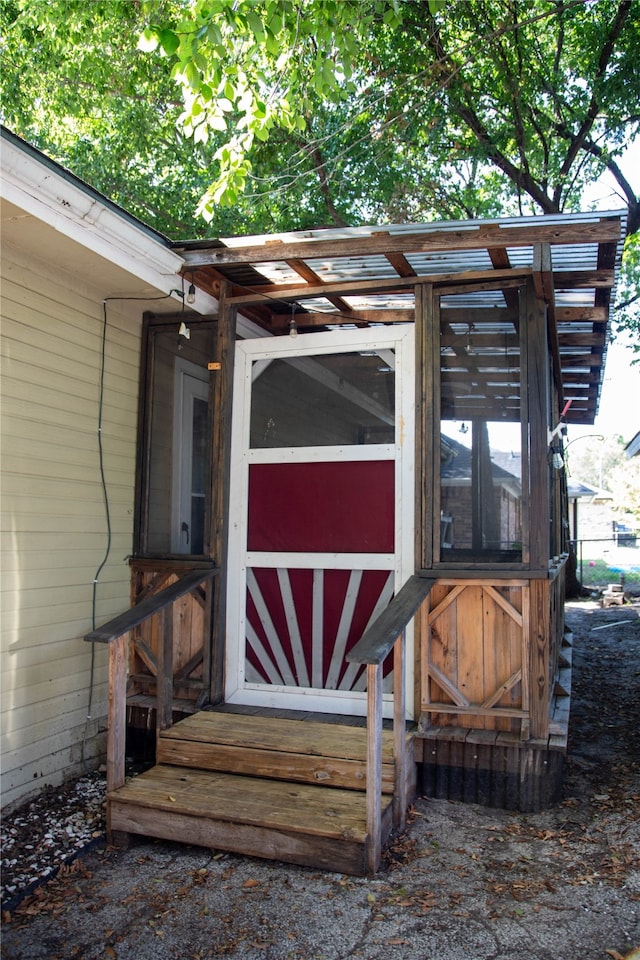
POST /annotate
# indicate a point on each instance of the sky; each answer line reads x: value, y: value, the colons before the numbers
x: 619, y: 409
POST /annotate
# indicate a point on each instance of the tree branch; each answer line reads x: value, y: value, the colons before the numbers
x: 604, y: 59
x: 321, y: 170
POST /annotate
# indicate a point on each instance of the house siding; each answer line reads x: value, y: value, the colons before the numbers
x: 54, y: 529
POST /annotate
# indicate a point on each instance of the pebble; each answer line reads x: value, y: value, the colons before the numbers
x: 49, y: 830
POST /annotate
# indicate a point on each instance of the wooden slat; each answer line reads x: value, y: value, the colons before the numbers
x: 276, y: 733
x: 199, y: 793
x: 487, y: 236
x: 399, y: 734
x: 452, y: 283
x: 378, y: 640
x: 151, y: 605
x: 249, y: 761
x: 459, y: 699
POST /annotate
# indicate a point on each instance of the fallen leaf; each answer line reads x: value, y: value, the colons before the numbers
x: 251, y: 883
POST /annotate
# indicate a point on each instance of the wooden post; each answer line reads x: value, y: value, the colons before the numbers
x: 164, y: 677
x: 374, y: 766
x: 399, y: 733
x: 538, y: 412
x: 117, y: 713
x: 539, y: 656
x: 222, y: 389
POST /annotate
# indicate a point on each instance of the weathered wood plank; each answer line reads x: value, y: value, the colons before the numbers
x: 377, y: 641
x: 273, y: 764
x: 298, y: 808
x: 221, y: 403
x: 325, y: 853
x: 488, y: 236
x: 373, y: 794
x: 117, y: 714
x: 150, y: 605
x: 294, y: 736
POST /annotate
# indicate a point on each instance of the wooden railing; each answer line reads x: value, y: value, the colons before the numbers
x: 115, y: 634
x: 387, y: 633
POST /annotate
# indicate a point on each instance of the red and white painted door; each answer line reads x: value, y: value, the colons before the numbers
x: 321, y: 511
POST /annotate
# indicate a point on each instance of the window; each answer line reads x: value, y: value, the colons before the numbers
x: 175, y: 445
x: 480, y: 432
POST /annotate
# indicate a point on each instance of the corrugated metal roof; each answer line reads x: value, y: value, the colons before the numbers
x: 368, y: 275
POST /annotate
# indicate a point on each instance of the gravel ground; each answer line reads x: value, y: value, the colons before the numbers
x: 49, y: 832
x: 463, y: 883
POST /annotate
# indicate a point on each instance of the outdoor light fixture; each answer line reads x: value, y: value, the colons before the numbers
x: 184, y: 331
x: 191, y: 292
x: 293, y: 326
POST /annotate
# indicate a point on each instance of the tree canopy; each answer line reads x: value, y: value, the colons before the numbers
x: 268, y: 115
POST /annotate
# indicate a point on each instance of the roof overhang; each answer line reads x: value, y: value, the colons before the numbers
x: 369, y: 275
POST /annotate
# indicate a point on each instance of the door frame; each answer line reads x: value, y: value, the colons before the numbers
x: 400, y: 338
x: 191, y: 383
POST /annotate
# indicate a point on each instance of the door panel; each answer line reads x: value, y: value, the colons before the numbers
x: 321, y: 511
x: 322, y: 507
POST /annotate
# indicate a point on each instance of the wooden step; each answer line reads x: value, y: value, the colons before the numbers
x: 323, y: 827
x: 293, y: 750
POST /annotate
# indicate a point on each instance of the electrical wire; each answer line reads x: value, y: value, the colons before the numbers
x: 105, y: 497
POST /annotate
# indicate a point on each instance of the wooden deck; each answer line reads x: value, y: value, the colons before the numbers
x: 282, y: 789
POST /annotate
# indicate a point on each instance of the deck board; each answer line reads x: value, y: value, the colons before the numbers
x: 272, y: 787
x: 293, y: 736
x: 300, y: 808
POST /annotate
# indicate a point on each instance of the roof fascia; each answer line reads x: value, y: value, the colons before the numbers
x: 475, y: 236
x: 81, y: 216
x: 45, y: 190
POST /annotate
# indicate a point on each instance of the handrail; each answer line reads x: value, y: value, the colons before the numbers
x: 115, y: 633
x: 377, y: 642
x: 140, y: 612
x: 386, y: 633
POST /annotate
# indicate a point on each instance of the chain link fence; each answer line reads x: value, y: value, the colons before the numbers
x: 604, y: 560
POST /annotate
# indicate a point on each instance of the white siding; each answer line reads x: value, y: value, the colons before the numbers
x: 54, y: 531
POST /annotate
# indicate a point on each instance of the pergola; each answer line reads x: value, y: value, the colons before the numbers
x: 315, y: 279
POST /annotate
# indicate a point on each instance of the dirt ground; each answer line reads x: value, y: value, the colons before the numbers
x: 463, y: 883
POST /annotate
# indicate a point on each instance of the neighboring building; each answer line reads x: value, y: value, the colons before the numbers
x: 632, y: 449
x: 282, y: 482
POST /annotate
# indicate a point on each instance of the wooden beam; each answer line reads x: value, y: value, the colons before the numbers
x: 543, y: 281
x: 500, y: 260
x: 538, y: 414
x: 317, y: 319
x: 305, y: 271
x: 581, y: 279
x: 221, y: 403
x: 488, y: 236
x: 117, y: 714
x: 581, y: 314
x: 374, y: 766
x: 285, y: 292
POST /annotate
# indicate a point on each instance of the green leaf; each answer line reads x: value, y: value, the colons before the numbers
x: 169, y: 41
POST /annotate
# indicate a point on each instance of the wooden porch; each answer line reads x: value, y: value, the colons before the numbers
x: 320, y: 792
x: 282, y: 789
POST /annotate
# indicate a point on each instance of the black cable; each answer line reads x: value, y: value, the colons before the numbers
x: 105, y: 496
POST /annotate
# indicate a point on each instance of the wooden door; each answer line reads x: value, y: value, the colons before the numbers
x: 321, y: 511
